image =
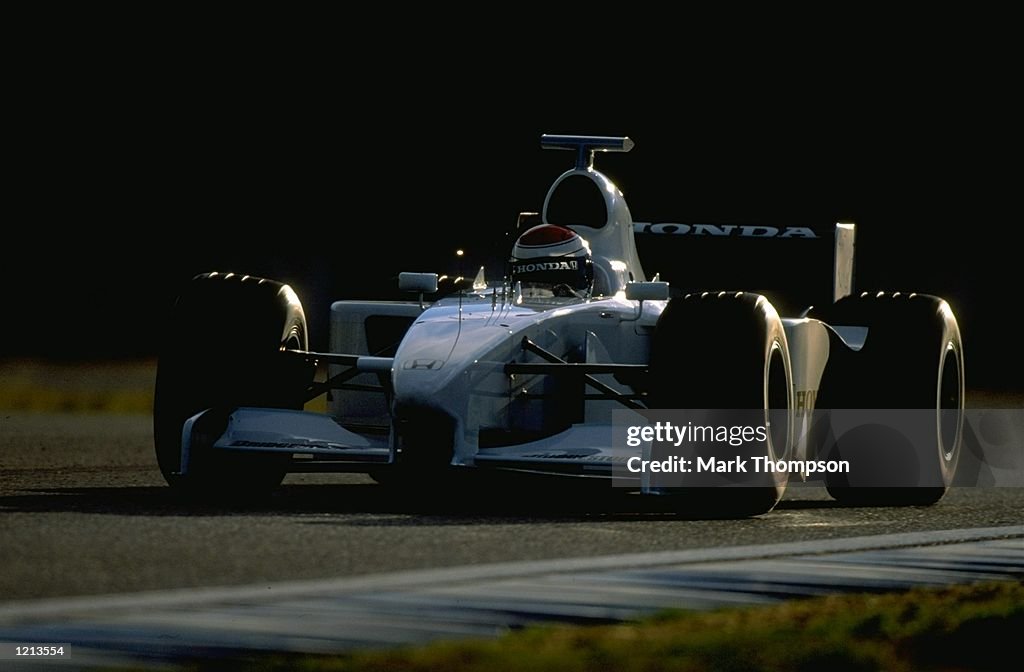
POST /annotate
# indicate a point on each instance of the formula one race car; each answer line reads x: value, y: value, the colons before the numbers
x: 546, y: 369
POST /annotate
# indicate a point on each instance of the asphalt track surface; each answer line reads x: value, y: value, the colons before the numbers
x: 85, y: 512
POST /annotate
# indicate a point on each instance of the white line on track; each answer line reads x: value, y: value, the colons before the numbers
x: 76, y: 607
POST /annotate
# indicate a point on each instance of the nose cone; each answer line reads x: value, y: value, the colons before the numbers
x: 448, y: 352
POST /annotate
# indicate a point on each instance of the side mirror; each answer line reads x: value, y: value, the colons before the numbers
x: 647, y: 291
x: 425, y: 283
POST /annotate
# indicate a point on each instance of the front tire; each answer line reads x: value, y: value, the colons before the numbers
x: 727, y: 353
x: 223, y: 350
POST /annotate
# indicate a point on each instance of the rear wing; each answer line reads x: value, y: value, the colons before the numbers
x: 794, y: 266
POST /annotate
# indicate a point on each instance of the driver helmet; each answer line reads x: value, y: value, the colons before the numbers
x: 550, y: 260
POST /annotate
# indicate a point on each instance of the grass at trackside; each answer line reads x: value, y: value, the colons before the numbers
x: 77, y: 387
x: 974, y: 627
x: 79, y: 401
x: 118, y: 387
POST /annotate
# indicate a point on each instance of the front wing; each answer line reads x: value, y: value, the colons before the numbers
x: 315, y: 442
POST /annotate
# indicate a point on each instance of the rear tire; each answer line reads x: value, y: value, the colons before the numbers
x: 912, y: 358
x: 223, y: 350
x: 722, y: 352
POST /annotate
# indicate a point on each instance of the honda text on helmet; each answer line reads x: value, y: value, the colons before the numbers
x: 549, y: 260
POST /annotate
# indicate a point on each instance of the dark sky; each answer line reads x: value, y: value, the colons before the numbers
x: 335, y: 182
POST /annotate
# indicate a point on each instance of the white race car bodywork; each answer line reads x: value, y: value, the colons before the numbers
x: 460, y: 385
x: 492, y: 376
x: 452, y: 364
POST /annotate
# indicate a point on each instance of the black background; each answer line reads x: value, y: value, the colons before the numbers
x: 333, y: 176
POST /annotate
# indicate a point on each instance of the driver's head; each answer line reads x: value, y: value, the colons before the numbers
x: 552, y: 260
